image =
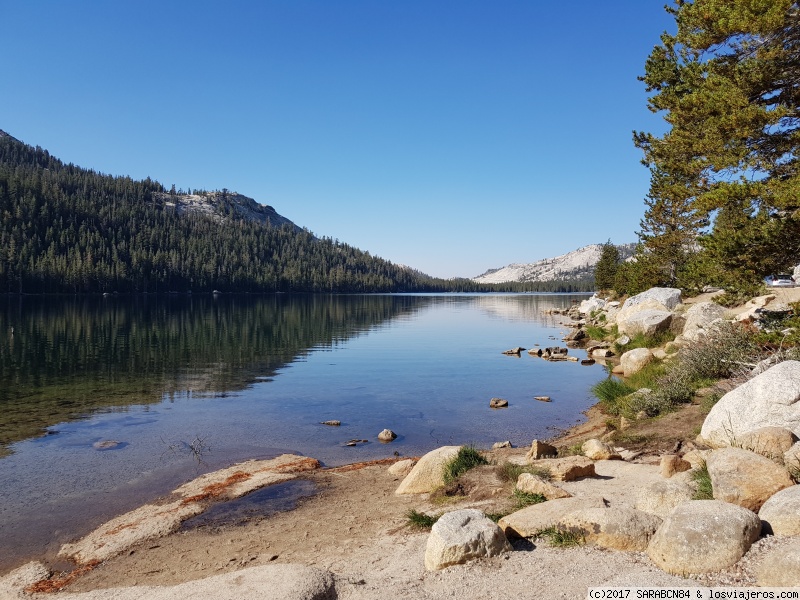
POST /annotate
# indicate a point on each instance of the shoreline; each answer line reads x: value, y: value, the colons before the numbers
x: 353, y: 526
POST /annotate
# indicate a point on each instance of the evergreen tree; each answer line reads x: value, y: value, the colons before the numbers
x: 606, y: 269
x: 727, y: 85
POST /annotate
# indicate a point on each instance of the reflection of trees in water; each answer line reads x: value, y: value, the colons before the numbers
x: 62, y: 358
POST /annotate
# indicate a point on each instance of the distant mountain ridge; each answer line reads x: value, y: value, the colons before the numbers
x: 576, y: 265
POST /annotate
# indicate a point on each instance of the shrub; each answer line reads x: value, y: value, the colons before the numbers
x: 467, y: 458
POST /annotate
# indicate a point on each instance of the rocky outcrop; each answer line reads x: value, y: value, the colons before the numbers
x: 702, y: 536
x: 428, y: 473
x: 463, y: 535
x: 781, y: 512
x: 498, y: 403
x: 745, y: 478
x: 616, y: 528
x: 769, y: 399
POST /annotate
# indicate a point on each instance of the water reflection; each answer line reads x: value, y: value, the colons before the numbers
x: 64, y: 358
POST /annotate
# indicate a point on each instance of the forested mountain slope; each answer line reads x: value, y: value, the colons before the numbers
x: 68, y: 229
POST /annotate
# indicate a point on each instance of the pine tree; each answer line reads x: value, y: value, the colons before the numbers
x: 606, y: 269
x: 727, y: 85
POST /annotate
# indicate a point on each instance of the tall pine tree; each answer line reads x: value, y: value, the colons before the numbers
x: 727, y: 85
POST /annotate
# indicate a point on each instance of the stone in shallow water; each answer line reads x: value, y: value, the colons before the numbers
x: 106, y: 445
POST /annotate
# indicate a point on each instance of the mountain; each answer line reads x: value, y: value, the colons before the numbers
x: 67, y: 229
x: 577, y: 265
x: 219, y: 205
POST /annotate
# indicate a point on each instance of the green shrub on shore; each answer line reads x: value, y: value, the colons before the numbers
x: 468, y: 457
x: 728, y: 350
x: 418, y: 520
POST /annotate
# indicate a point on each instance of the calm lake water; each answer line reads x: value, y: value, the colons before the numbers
x: 252, y: 377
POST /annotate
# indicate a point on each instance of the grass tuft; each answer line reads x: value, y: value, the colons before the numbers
x: 703, y: 481
x: 560, y: 538
x: 468, y: 457
x: 524, y: 499
x: 419, y: 520
x: 609, y: 391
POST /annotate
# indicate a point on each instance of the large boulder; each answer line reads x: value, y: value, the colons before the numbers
x: 647, y: 322
x: 649, y: 312
x: 635, y: 360
x: 669, y: 298
x: 701, y: 536
x: 590, y: 305
x: 745, y: 478
x: 769, y: 399
x: 428, y: 473
x: 780, y: 567
x: 772, y: 442
x: 462, y: 535
x: 781, y: 512
x: 700, y: 318
x: 661, y: 497
x: 617, y: 528
x: 532, y: 519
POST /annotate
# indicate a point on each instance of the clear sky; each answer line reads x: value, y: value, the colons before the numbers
x: 450, y: 136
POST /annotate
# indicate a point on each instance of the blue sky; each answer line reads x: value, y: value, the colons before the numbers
x: 451, y: 136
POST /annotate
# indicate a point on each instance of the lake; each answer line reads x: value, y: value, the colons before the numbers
x: 107, y: 403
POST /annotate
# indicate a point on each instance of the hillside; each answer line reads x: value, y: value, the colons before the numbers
x: 66, y: 229
x: 577, y: 265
